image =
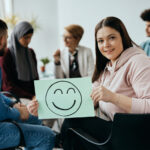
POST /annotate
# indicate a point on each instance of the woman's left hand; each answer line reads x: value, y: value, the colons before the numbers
x: 33, y: 107
x: 101, y: 93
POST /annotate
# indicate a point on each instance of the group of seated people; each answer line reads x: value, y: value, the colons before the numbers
x: 120, y: 80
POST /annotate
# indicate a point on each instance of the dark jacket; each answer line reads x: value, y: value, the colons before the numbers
x: 10, y: 82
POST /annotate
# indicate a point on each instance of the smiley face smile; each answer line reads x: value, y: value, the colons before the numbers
x: 64, y: 108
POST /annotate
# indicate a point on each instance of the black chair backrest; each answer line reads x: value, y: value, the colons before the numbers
x: 131, y: 132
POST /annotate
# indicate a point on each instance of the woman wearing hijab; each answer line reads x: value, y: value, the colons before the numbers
x: 19, y: 64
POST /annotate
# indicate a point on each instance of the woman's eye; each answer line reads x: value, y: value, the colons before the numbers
x: 112, y: 37
x: 100, y: 41
x: 25, y: 38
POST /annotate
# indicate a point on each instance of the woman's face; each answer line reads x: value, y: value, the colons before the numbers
x: 69, y: 40
x: 109, y: 43
x: 25, y: 40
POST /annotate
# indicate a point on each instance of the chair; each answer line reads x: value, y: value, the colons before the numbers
x: 22, y: 142
x: 129, y: 132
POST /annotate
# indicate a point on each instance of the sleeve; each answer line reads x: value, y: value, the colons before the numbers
x: 9, y: 77
x: 140, y: 79
x: 8, y: 101
x: 32, y: 120
x: 142, y: 45
x: 7, y: 112
x: 58, y: 72
x: 95, y: 84
x: 90, y: 63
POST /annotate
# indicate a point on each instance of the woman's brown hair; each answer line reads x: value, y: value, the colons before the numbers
x: 76, y: 31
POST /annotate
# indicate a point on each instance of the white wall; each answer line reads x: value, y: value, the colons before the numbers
x: 89, y: 12
x: 54, y: 15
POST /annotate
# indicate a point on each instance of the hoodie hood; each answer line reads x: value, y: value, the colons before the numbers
x: 125, y: 56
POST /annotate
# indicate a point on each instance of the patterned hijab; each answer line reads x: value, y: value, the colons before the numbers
x: 25, y: 64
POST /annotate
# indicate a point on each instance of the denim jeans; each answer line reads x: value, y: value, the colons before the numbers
x: 37, y: 137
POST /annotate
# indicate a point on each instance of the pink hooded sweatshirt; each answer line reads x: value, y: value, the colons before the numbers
x: 130, y: 76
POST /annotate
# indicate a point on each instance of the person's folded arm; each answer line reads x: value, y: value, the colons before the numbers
x: 7, y: 112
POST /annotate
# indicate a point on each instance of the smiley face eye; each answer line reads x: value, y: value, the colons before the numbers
x: 58, y: 90
x: 71, y: 89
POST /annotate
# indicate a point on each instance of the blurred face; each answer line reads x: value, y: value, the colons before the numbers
x: 69, y: 40
x: 147, y: 29
x: 3, y: 43
x: 109, y: 43
x: 25, y: 40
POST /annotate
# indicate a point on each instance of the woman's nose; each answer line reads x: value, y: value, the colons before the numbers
x: 106, y: 43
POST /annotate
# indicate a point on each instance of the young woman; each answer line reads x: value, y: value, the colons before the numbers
x: 19, y: 65
x: 119, y: 83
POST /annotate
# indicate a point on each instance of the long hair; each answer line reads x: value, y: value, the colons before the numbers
x: 118, y: 25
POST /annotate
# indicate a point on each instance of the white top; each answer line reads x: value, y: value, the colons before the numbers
x: 85, y: 61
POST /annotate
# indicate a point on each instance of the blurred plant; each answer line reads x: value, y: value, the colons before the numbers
x: 45, y: 61
x: 34, y: 23
x: 11, y: 21
x: 14, y: 19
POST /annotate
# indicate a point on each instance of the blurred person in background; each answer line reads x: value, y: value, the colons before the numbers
x: 74, y: 60
x: 145, y: 16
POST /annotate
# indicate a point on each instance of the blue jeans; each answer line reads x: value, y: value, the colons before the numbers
x: 37, y: 137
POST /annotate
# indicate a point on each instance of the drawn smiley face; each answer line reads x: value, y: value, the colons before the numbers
x: 63, y: 98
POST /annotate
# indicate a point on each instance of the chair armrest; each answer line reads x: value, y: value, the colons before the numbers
x: 82, y: 134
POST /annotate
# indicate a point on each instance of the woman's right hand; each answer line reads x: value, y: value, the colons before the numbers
x: 56, y: 56
x: 101, y: 93
x: 33, y: 107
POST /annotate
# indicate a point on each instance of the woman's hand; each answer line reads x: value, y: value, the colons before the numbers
x: 33, y: 107
x: 56, y: 56
x: 33, y: 98
x: 102, y: 93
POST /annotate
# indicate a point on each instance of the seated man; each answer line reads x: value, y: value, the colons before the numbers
x: 36, y: 136
x: 145, y: 16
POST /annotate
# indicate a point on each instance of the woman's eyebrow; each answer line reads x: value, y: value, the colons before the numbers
x: 113, y: 34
